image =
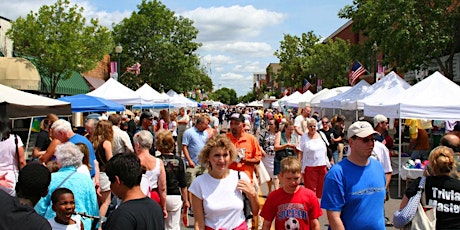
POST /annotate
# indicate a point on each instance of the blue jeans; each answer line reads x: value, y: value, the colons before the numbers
x: 335, y: 156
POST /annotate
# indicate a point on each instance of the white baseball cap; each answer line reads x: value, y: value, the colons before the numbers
x: 360, y: 129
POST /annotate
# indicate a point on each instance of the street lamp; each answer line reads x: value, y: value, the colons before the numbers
x: 118, y: 50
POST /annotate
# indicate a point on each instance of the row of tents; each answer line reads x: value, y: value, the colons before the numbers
x: 435, y: 97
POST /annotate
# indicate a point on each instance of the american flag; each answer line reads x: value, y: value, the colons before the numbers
x: 135, y: 68
x: 306, y: 85
x: 356, y: 71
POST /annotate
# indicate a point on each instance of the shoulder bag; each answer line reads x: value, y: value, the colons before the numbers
x: 246, y: 204
x: 413, y: 216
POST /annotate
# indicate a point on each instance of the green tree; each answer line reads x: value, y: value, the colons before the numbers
x: 330, y: 62
x: 225, y: 95
x: 409, y: 33
x: 163, y: 44
x: 293, y: 54
x: 58, y: 39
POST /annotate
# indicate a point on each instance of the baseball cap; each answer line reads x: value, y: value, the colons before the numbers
x: 360, y: 129
x: 146, y: 114
x: 379, y: 118
x: 237, y: 117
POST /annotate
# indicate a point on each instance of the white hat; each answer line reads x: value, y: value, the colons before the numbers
x: 360, y: 129
x: 379, y: 118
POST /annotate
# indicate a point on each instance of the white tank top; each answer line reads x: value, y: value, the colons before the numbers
x: 153, y: 174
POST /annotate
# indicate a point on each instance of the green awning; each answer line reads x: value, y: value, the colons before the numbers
x: 76, y: 84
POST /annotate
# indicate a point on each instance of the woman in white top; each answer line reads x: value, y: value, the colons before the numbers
x: 10, y: 161
x: 154, y: 169
x: 314, y: 158
x: 217, y: 198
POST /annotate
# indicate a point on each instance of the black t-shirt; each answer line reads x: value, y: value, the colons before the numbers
x: 43, y: 140
x: 139, y: 214
x: 444, y: 194
x: 329, y: 134
x: 175, y: 174
x: 14, y: 215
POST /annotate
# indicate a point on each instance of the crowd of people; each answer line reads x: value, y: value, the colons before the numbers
x: 151, y: 171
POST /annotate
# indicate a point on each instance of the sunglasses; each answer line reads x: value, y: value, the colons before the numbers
x: 325, y: 122
x: 312, y: 126
x: 367, y: 139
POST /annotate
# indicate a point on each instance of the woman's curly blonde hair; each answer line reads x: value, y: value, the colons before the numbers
x: 216, y: 141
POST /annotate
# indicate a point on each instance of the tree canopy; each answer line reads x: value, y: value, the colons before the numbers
x: 225, y: 95
x: 409, y: 33
x: 306, y: 58
x: 59, y: 40
x: 164, y: 44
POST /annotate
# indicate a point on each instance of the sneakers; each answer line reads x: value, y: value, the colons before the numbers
x: 388, y: 222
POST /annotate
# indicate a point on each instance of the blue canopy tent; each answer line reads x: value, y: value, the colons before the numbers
x: 87, y: 103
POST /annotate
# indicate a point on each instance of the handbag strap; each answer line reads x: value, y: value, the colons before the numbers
x: 325, y: 141
x: 62, y: 182
x: 17, y: 151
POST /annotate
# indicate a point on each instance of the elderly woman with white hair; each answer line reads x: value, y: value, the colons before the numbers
x: 154, y: 168
x: 314, y: 158
x: 69, y: 158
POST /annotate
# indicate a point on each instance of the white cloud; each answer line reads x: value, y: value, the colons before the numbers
x: 250, y: 67
x: 14, y: 9
x: 229, y: 23
x: 248, y: 49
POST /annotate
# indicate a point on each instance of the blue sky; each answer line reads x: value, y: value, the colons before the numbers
x: 239, y: 37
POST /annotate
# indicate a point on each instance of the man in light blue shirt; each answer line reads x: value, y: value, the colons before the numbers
x: 192, y: 142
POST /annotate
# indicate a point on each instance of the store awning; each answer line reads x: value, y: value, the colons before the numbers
x: 19, y: 73
x: 94, y: 82
x: 76, y: 84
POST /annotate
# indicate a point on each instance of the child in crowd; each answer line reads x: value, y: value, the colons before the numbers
x: 64, y: 206
x: 293, y: 206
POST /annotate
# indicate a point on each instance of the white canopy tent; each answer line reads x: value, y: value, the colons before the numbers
x: 115, y: 91
x: 256, y: 104
x: 388, y: 89
x: 179, y: 100
x: 303, y: 99
x: 149, y: 93
x: 294, y: 95
x: 327, y: 93
x: 435, y: 97
x: 338, y: 101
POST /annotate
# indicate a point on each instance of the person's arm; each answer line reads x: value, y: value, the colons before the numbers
x: 127, y: 142
x: 37, y: 153
x: 187, y: 156
x: 97, y: 184
x: 184, y: 193
x: 162, y: 189
x: 22, y: 157
x: 266, y: 225
x: 50, y: 151
x: 198, y: 212
x: 334, y: 220
x: 107, y: 146
x: 277, y: 145
x: 404, y: 202
x: 314, y: 224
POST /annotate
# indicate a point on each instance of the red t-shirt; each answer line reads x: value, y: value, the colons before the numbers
x: 291, y: 211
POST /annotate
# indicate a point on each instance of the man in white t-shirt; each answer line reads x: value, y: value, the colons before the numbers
x: 300, y: 122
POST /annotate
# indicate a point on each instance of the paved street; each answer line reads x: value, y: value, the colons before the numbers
x: 390, y: 207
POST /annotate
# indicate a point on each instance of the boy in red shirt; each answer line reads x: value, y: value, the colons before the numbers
x: 292, y: 206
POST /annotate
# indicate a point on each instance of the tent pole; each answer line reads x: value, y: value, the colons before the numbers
x: 28, y: 135
x: 399, y: 158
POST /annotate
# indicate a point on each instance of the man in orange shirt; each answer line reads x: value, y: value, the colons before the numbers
x: 247, y: 146
x: 249, y: 152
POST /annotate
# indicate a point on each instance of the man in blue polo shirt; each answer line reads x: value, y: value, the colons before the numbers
x: 64, y: 133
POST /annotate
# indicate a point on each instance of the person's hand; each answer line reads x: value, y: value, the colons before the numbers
x: 5, y: 182
x: 165, y: 213
x: 98, y: 190
x: 247, y: 188
x: 191, y: 164
x: 185, y: 204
